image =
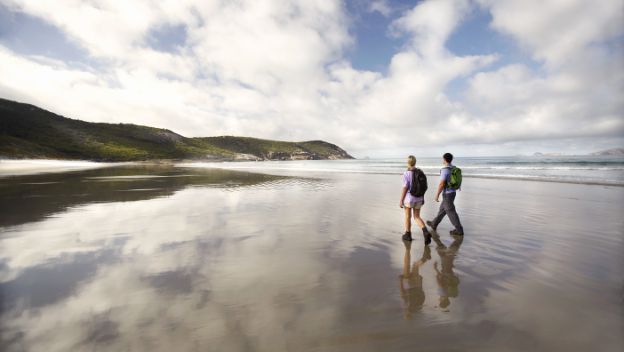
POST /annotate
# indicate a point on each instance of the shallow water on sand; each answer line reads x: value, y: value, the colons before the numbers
x: 195, y: 259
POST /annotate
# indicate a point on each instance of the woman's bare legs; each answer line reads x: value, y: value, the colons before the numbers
x: 421, y: 224
x: 408, y: 220
x: 417, y: 218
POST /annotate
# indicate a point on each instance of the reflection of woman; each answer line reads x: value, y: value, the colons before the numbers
x: 410, y: 281
x: 448, y: 281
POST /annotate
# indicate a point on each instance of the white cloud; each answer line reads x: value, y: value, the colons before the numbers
x: 557, y: 31
x: 431, y: 23
x: 409, y: 104
x: 380, y: 6
x: 270, y: 70
x: 577, y: 93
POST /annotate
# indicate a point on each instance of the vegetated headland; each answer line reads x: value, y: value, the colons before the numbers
x: 29, y: 132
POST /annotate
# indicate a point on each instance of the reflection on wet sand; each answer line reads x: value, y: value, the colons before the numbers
x: 30, y: 198
x: 411, y: 282
x: 242, y: 262
x: 114, y: 270
x: 411, y: 279
x: 447, y: 279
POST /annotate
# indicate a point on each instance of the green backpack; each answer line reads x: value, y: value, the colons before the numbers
x: 455, y: 179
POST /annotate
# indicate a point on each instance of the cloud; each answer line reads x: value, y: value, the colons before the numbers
x: 557, y: 31
x: 409, y: 104
x: 431, y: 23
x: 380, y: 6
x: 259, y: 68
x: 578, y: 90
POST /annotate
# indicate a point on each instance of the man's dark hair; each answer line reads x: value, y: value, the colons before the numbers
x: 448, y: 157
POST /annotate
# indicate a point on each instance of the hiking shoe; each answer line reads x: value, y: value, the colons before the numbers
x: 430, y: 223
x: 427, y: 236
x: 456, y: 233
x: 407, y: 236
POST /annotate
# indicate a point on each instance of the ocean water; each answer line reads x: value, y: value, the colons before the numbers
x: 598, y: 170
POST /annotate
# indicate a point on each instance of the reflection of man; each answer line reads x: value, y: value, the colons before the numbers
x: 410, y: 281
x: 448, y: 281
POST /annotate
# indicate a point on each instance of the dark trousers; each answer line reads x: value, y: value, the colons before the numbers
x: 448, y: 208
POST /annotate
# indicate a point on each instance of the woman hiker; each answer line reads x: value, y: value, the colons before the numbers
x: 411, y: 203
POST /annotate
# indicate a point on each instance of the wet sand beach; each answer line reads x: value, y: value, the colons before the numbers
x: 141, y: 258
x: 18, y: 167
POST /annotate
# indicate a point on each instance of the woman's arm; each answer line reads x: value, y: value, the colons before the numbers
x: 403, y: 193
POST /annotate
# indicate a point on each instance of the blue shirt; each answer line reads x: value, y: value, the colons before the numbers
x: 445, y: 174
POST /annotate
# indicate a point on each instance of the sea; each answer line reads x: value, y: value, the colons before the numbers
x: 598, y: 170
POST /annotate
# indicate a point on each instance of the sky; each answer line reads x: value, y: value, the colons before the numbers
x: 379, y: 78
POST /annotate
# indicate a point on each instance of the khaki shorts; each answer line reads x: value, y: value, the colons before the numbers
x: 414, y: 205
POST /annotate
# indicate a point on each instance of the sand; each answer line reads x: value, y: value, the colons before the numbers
x: 116, y: 259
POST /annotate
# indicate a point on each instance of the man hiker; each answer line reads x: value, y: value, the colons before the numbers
x: 448, y: 187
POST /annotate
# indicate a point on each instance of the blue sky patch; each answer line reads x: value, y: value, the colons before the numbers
x: 30, y: 35
x: 167, y: 38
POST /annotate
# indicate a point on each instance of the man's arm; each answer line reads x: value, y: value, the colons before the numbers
x: 440, y: 188
x: 443, y: 176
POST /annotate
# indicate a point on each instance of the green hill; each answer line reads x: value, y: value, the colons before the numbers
x: 27, y: 131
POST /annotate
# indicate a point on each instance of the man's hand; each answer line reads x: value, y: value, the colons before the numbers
x: 437, y: 199
x: 401, y: 205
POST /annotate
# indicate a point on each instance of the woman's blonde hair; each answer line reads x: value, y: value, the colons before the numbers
x: 411, y: 160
